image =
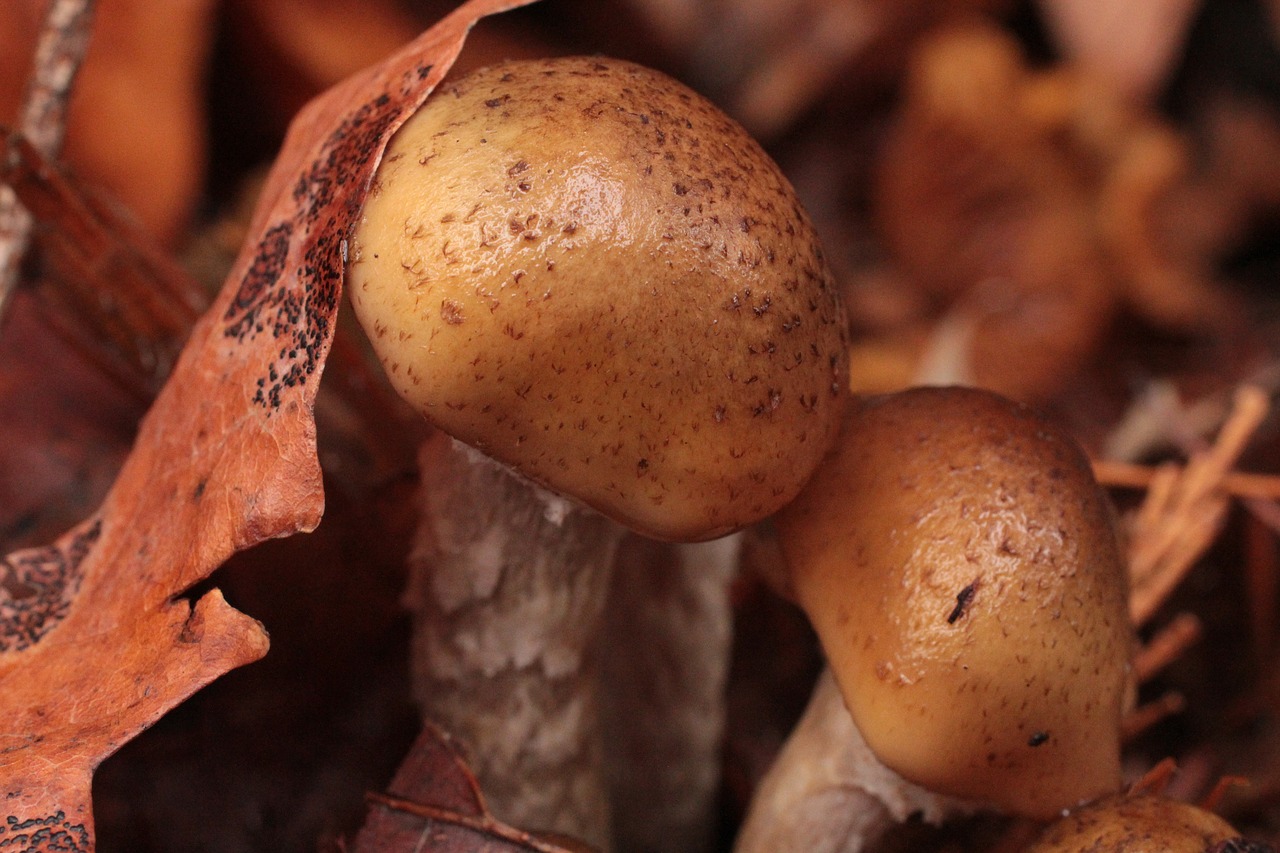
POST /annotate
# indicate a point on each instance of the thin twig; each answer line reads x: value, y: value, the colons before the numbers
x: 483, y: 824
x: 1145, y: 716
x: 1212, y: 801
x: 1185, y: 508
x: 1157, y: 779
x: 1166, y: 646
x: 1238, y: 484
x: 60, y: 50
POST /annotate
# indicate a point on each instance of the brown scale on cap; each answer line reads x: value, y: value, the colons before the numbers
x: 587, y: 271
x: 958, y: 562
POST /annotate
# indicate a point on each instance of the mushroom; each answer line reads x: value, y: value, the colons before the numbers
x: 826, y: 791
x: 1142, y: 823
x: 588, y: 274
x: 960, y: 567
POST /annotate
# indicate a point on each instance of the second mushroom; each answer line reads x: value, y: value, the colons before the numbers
x: 960, y: 566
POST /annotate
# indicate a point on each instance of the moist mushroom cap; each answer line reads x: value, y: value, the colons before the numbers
x: 588, y: 272
x: 959, y: 564
x: 1142, y: 823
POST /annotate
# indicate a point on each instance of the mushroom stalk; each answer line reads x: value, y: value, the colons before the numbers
x: 828, y: 793
x: 665, y: 663
x: 507, y: 586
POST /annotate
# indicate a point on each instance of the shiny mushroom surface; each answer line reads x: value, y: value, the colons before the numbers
x: 1143, y: 823
x: 960, y: 566
x: 587, y: 271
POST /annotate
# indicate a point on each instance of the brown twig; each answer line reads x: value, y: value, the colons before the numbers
x: 1179, y: 518
x: 1185, y: 508
x: 1145, y: 716
x: 1238, y: 484
x: 1157, y: 779
x: 483, y: 824
x: 1212, y: 801
x: 59, y: 53
x: 1166, y: 646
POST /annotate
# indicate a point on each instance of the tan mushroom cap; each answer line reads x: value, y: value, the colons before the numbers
x: 959, y: 564
x: 587, y: 271
x: 1143, y: 823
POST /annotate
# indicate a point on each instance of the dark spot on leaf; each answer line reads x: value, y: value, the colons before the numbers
x: 39, y: 585
x: 264, y: 271
x: 48, y: 833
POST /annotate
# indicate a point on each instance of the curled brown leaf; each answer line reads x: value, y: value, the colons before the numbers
x: 96, y: 638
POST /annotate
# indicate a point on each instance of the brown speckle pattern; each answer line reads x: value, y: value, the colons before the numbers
x: 53, y: 833
x: 291, y: 288
x: 37, y: 587
x: 600, y: 267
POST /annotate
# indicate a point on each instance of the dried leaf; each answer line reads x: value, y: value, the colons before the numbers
x: 434, y: 803
x: 89, y: 247
x: 96, y: 640
x: 59, y: 49
x: 136, y: 123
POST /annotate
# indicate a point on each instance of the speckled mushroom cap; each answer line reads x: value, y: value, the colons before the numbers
x: 1143, y: 823
x: 959, y: 564
x: 585, y: 270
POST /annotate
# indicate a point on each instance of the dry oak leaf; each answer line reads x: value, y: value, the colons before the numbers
x: 434, y: 803
x: 88, y: 247
x: 96, y: 640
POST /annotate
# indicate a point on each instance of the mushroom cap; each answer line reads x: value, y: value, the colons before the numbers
x: 960, y: 566
x: 1142, y: 823
x: 585, y: 270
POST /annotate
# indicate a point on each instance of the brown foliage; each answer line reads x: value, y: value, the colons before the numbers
x: 434, y: 803
x: 96, y: 638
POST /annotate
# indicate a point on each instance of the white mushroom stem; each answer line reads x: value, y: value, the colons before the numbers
x: 828, y: 793
x: 507, y: 586
x: 665, y: 660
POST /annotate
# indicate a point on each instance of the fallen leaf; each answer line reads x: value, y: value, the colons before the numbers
x: 89, y: 247
x: 96, y: 638
x: 135, y: 124
x: 434, y: 803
